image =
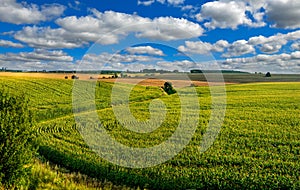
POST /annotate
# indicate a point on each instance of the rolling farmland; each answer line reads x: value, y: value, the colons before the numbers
x: 258, y: 146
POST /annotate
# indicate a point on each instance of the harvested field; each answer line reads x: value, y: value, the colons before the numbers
x: 107, y: 78
x: 159, y: 82
x: 50, y: 75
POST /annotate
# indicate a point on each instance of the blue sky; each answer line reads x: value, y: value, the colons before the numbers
x: 246, y: 35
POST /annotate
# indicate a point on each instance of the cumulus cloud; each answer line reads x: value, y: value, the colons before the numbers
x: 117, y: 61
x: 203, y: 47
x: 295, y: 55
x: 268, y: 45
x: 224, y: 14
x: 51, y: 60
x: 37, y: 60
x: 145, y: 50
x: 39, y: 37
x: 22, y: 13
x: 273, y: 43
x: 118, y: 58
x: 37, y: 55
x: 296, y: 46
x: 231, y: 14
x: 184, y: 65
x: 195, y: 47
x: 106, y: 28
x: 284, y: 13
x: 87, y: 64
x: 239, y: 48
x: 169, y: 28
x: 6, y: 43
x: 278, y: 63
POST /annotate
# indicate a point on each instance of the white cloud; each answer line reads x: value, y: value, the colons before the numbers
x: 269, y: 45
x: 220, y: 46
x: 37, y: 60
x: 146, y: 3
x: 273, y: 43
x: 287, y: 63
x: 23, y: 13
x: 145, y: 50
x: 187, y: 7
x: 184, y: 65
x: 239, y: 48
x: 231, y: 14
x: 106, y: 58
x: 195, y: 47
x: 106, y: 28
x: 270, y: 48
x: 38, y: 65
x: 284, y: 13
x: 169, y: 2
x: 175, y: 2
x: 117, y: 61
x: 256, y: 9
x: 39, y: 37
x: 75, y: 5
x: 222, y: 14
x: 169, y: 28
x: 37, y: 55
x: 293, y: 35
x: 6, y: 43
x: 296, y: 46
x: 295, y: 55
x: 252, y: 13
x: 88, y: 64
x: 203, y: 47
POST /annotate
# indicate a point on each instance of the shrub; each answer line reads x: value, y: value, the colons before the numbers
x: 168, y: 88
x: 16, y: 134
x: 74, y: 77
x: 268, y: 74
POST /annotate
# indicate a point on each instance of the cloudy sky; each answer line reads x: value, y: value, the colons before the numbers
x: 246, y: 35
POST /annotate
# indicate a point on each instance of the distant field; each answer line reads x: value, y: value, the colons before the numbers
x: 250, y: 78
x: 258, y: 146
x: 198, y: 79
x: 50, y: 75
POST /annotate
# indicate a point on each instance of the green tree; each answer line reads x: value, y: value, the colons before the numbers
x: 268, y: 74
x: 16, y: 135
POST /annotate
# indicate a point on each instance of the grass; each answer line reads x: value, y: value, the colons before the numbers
x: 49, y: 176
x: 258, y: 146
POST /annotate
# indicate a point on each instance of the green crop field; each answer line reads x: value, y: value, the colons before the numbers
x: 258, y: 146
